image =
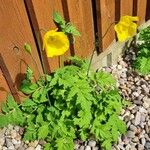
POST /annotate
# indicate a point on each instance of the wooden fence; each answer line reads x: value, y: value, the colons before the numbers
x: 22, y: 21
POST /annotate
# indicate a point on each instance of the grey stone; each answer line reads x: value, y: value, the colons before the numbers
x: 143, y: 117
x: 2, y: 132
x: 2, y: 141
x: 145, y: 88
x: 140, y: 147
x: 22, y: 148
x: 146, y: 105
x: 5, y: 148
x: 148, y: 110
x: 121, y: 146
x: 138, y: 102
x: 140, y: 97
x: 17, y: 146
x: 131, y: 116
x: 87, y: 147
x: 11, y: 148
x: 30, y: 148
x: 123, y: 75
x: 128, y: 124
x: 17, y: 128
x: 142, y: 110
x: 143, y: 141
x: 128, y: 147
x: 95, y: 148
x: 126, y: 140
x: 92, y: 143
x: 81, y: 147
x: 130, y: 134
x: 13, y: 133
x: 76, y: 146
x: 107, y: 69
x: 147, y: 145
x: 133, y: 127
x: 14, y: 141
x: 137, y: 118
x: 135, y: 139
x: 8, y: 142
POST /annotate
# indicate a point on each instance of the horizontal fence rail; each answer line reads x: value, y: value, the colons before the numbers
x: 24, y: 20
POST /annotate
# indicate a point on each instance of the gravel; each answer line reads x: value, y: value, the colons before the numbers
x: 11, y: 139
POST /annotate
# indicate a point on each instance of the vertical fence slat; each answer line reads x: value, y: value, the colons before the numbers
x: 106, y: 18
x: 3, y: 88
x: 80, y: 14
x: 148, y: 10
x: 141, y: 10
x: 43, y: 14
x: 126, y: 7
x: 15, y: 30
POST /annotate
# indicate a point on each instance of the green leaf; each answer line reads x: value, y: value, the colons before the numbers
x: 58, y: 19
x: 122, y: 128
x: 25, y: 87
x: 104, y: 80
x: 29, y: 74
x: 5, y: 108
x: 29, y: 135
x: 39, y: 119
x: 71, y: 29
x: 28, y: 102
x: 64, y: 143
x: 28, y: 48
x: 4, y: 120
x: 43, y: 132
x: 48, y: 146
x: 107, y: 144
x: 11, y: 102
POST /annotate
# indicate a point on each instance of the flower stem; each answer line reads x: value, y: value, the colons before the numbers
x: 43, y: 65
x: 61, y: 58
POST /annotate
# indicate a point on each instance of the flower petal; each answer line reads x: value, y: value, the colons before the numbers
x: 126, y: 28
x: 55, y: 43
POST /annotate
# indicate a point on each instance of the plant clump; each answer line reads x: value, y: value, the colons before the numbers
x: 79, y: 106
x: 142, y: 60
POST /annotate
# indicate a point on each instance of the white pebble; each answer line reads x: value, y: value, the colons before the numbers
x: 87, y: 148
x: 13, y: 133
x: 5, y: 148
x: 146, y: 105
x: 119, y: 67
x: 2, y: 141
x: 14, y: 141
x: 39, y: 147
x: 30, y: 148
x: 136, y: 94
x: 11, y: 148
x: 92, y: 143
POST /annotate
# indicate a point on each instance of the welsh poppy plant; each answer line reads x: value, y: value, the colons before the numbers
x: 55, y: 43
x: 126, y: 27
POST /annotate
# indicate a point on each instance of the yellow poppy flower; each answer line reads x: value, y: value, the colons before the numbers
x: 55, y: 43
x: 126, y: 28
